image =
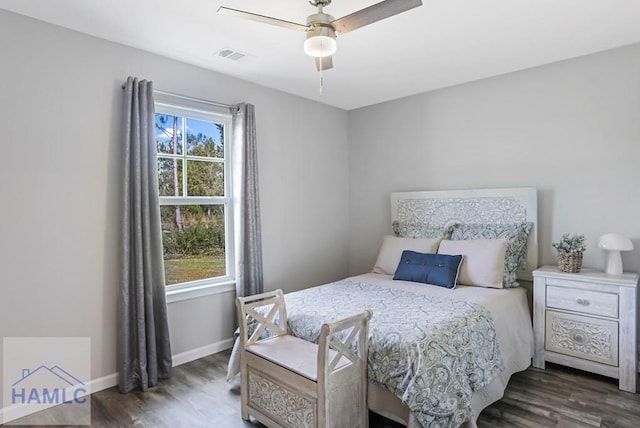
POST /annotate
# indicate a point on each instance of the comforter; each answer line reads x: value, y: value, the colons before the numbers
x: 430, y: 351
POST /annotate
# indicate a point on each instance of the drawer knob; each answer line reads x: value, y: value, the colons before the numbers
x: 578, y: 337
x: 581, y: 301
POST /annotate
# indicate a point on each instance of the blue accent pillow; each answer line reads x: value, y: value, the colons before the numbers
x: 436, y: 269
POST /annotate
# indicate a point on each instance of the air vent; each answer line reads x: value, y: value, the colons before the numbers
x: 231, y: 54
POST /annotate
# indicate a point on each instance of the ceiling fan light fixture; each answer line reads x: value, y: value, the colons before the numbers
x: 320, y: 42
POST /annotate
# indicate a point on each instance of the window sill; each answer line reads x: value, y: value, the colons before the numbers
x: 180, y: 294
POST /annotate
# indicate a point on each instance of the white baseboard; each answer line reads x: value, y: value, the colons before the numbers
x: 10, y: 413
x: 103, y: 382
x: 203, y: 351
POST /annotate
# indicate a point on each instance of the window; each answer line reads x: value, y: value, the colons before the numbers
x: 195, y: 195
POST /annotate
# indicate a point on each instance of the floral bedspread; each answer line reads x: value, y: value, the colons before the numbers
x: 431, y: 352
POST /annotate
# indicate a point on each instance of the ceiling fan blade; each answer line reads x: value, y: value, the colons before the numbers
x: 374, y: 13
x: 324, y: 63
x: 260, y: 18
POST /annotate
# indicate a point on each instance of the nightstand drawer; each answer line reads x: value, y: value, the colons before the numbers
x: 583, y: 337
x: 584, y: 301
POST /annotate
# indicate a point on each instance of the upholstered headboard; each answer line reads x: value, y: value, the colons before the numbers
x: 494, y: 206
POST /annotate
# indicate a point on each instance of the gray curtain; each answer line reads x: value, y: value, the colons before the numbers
x: 248, y: 241
x: 144, y: 352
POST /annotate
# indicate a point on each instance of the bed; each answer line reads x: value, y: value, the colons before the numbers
x: 437, y: 355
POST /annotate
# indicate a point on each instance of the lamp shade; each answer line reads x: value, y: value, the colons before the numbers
x: 320, y: 42
x: 613, y: 243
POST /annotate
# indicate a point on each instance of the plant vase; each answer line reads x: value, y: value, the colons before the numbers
x: 569, y: 262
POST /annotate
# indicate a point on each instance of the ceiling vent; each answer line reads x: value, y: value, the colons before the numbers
x: 231, y: 54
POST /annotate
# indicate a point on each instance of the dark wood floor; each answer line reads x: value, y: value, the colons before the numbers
x: 198, y: 396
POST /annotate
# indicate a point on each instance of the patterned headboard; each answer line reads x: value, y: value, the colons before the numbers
x: 495, y: 206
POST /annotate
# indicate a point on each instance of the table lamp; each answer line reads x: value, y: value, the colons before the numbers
x: 613, y: 243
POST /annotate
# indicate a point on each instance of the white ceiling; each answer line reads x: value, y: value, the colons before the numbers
x: 442, y: 43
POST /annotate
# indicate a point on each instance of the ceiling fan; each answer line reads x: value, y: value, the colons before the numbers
x: 322, y: 28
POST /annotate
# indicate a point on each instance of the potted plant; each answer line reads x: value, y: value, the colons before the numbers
x: 570, y: 250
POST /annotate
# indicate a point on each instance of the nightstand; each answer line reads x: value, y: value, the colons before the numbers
x: 587, y: 320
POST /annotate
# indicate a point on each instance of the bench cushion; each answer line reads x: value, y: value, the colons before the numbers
x: 292, y: 353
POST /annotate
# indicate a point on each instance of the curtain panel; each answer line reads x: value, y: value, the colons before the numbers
x: 248, y: 240
x: 144, y: 351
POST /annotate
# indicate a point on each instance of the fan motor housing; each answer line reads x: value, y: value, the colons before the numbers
x: 320, y: 18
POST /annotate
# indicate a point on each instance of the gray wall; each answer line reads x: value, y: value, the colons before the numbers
x: 570, y: 129
x: 60, y: 104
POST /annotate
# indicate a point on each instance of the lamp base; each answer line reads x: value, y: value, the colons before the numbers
x: 613, y: 263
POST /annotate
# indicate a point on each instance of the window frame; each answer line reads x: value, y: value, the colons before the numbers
x: 201, y: 110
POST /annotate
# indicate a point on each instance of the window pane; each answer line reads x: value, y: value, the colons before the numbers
x: 170, y: 177
x: 205, y: 138
x: 168, y: 134
x: 193, y: 238
x: 205, y: 178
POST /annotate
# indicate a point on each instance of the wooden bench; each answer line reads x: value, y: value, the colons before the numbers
x: 289, y: 382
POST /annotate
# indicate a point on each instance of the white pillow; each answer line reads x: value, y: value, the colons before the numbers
x: 483, y: 261
x: 392, y: 248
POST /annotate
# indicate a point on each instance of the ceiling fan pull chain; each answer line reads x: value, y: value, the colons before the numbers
x: 321, y: 63
x: 321, y: 80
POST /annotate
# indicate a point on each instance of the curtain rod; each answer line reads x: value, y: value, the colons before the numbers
x: 199, y: 100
